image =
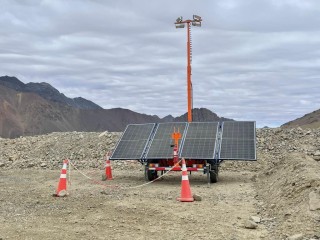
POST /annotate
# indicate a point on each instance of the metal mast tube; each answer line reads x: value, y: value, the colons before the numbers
x: 189, y: 84
x: 181, y: 24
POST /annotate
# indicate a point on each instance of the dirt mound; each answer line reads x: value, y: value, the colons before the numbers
x: 86, y: 150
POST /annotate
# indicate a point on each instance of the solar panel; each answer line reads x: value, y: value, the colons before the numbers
x: 238, y: 141
x: 200, y: 140
x: 160, y: 147
x: 133, y: 142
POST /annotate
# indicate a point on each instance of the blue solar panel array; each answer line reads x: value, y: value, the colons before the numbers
x: 200, y: 140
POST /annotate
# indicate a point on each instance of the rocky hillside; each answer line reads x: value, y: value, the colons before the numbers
x: 310, y: 120
x: 38, y: 108
x: 46, y: 91
x: 25, y: 114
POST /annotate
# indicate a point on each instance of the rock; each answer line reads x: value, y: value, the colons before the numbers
x: 250, y: 224
x: 317, y: 158
x: 197, y: 197
x: 104, y: 192
x: 296, y: 237
x: 314, y: 201
x: 255, y: 219
x: 254, y: 178
x: 43, y: 165
x: 2, y: 164
x: 103, y: 134
x: 317, y: 153
x: 30, y: 165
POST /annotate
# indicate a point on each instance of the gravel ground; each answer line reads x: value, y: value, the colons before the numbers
x: 281, y: 192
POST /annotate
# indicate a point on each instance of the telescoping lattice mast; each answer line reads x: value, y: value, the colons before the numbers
x: 181, y: 24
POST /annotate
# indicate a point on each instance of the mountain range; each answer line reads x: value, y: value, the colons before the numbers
x: 39, y: 108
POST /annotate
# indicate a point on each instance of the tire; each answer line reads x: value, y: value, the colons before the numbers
x: 214, y: 173
x: 152, y: 175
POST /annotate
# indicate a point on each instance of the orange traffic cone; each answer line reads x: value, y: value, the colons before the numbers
x: 108, y: 168
x: 62, y: 186
x: 186, y: 195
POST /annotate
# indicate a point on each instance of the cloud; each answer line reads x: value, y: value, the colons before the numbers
x: 252, y: 60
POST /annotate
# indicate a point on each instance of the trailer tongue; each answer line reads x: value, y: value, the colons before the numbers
x: 204, y: 145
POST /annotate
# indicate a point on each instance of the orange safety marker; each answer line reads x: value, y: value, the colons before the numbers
x: 186, y: 195
x: 62, y: 186
x: 176, y: 136
x: 108, y: 168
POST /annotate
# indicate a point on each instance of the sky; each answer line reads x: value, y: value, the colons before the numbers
x: 255, y: 60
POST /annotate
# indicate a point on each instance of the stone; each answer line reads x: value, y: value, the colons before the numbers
x: 43, y: 165
x: 272, y: 206
x: 314, y: 201
x: 104, y: 192
x: 30, y: 165
x: 2, y: 164
x: 250, y: 224
x: 255, y: 219
x: 197, y: 197
x: 317, y: 158
x: 103, y: 134
x: 298, y: 236
x: 317, y: 153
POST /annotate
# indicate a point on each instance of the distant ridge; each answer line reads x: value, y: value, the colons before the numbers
x: 310, y: 120
x: 48, y: 92
x: 201, y: 115
x: 39, y: 108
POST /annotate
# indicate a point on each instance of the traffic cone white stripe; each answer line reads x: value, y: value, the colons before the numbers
x: 185, y: 177
x: 63, y: 176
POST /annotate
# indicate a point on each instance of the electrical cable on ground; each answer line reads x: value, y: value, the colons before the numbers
x: 117, y: 186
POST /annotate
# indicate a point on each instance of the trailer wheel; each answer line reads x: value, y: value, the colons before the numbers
x: 214, y: 174
x: 152, y: 175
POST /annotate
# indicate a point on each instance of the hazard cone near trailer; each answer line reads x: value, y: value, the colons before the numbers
x: 62, y: 186
x: 186, y: 195
x: 108, y: 168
